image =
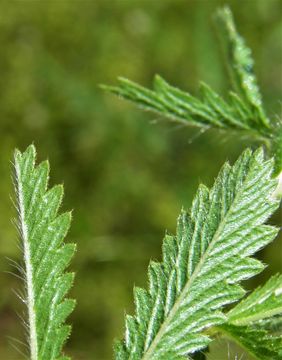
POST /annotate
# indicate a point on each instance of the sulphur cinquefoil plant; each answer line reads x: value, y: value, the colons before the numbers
x: 203, y: 264
x: 192, y: 291
x: 42, y: 233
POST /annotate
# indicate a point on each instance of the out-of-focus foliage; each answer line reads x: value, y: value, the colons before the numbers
x: 127, y: 178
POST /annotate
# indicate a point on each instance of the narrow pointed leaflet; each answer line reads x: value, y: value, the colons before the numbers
x: 203, y: 263
x: 46, y: 257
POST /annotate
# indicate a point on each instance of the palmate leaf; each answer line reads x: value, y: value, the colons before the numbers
x: 42, y: 233
x: 252, y: 322
x: 203, y: 263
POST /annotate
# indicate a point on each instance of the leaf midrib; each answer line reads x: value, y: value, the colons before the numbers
x: 175, y: 307
x: 28, y: 266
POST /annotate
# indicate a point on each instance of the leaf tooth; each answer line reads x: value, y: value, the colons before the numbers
x: 240, y: 168
x: 211, y: 297
x: 254, y: 215
x: 131, y: 331
x: 48, y: 272
x: 244, y: 269
x: 183, y: 237
x: 54, y: 296
x: 47, y: 211
x: 170, y: 292
x: 169, y: 249
x: 26, y: 161
x: 217, y: 209
x: 60, y: 338
x: 157, y: 282
x: 183, y: 100
x: 220, y: 107
x: 156, y: 278
x: 240, y: 108
x: 246, y: 241
x: 183, y: 346
x: 143, y: 303
x: 199, y: 211
x: 37, y: 185
x: 53, y: 235
x: 226, y: 295
x: 62, y: 311
x: 262, y: 235
x: 195, y: 343
x: 120, y: 351
x: 51, y: 347
x: 203, y: 322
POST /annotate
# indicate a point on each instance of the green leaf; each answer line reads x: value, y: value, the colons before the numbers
x: 203, y: 263
x: 253, y: 322
x: 209, y: 110
x: 264, y: 302
x: 256, y: 341
x: 243, y: 111
x: 241, y: 66
x: 46, y: 257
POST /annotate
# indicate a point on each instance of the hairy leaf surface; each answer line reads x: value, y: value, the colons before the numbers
x: 46, y: 256
x: 203, y: 263
x: 254, y: 322
x: 262, y: 303
x: 256, y: 341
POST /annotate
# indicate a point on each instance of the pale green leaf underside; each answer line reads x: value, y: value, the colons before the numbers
x: 46, y: 256
x: 203, y: 263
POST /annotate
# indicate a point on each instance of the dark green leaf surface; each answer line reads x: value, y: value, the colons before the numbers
x: 256, y: 341
x: 46, y: 256
x: 264, y: 302
x: 203, y: 263
x: 254, y: 322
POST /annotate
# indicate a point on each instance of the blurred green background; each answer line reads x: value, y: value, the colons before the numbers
x: 126, y: 173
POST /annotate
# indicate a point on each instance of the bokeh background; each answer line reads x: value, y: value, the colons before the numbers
x: 126, y: 173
